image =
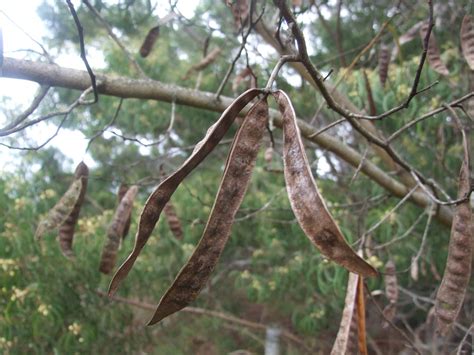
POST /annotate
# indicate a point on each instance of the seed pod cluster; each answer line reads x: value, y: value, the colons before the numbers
x: 115, y: 231
x: 433, y: 55
x: 149, y: 42
x: 66, y: 229
x: 467, y: 40
x: 457, y: 273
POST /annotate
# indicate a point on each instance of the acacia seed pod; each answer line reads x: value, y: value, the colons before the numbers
x: 434, y: 58
x: 384, y: 62
x: 63, y: 208
x: 158, y: 199
x: 361, y: 317
x: 66, y: 229
x: 149, y: 41
x: 173, y: 220
x: 391, y: 290
x: 115, y: 231
x: 306, y: 202
x: 467, y: 40
x: 240, y: 163
x: 123, y: 188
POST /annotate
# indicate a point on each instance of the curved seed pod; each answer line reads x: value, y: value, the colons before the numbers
x: 115, y: 231
x: 391, y: 290
x: 207, y: 60
x: 306, y: 202
x: 173, y: 220
x: 149, y: 41
x: 345, y: 333
x: 457, y: 273
x: 59, y: 213
x: 467, y: 40
x: 123, y: 188
x: 240, y: 162
x: 434, y: 58
x: 384, y: 62
x: 66, y: 230
x: 158, y: 199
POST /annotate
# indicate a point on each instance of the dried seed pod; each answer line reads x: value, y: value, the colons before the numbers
x: 306, y: 202
x: 457, y: 273
x: 60, y: 212
x: 467, y: 40
x: 344, y: 333
x: 207, y: 60
x: 173, y: 220
x: 361, y: 317
x: 240, y: 163
x: 149, y: 41
x: 115, y: 231
x: 414, y: 270
x: 391, y: 290
x: 158, y: 199
x: 434, y: 58
x: 240, y: 11
x: 123, y: 188
x: 268, y: 155
x: 66, y: 230
x: 384, y: 62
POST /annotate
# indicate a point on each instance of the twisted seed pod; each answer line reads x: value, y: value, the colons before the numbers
x: 173, y: 220
x: 384, y: 62
x: 457, y: 273
x: 467, y: 40
x: 391, y: 290
x: 66, y: 230
x: 149, y: 41
x: 60, y: 212
x: 123, y: 188
x: 115, y: 231
x: 345, y: 334
x: 306, y: 202
x: 158, y: 199
x: 240, y: 162
x: 434, y: 58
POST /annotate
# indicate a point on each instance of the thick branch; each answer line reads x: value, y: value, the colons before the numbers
x: 53, y: 75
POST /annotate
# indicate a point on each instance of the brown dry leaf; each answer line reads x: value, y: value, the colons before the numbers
x: 361, y: 317
x: 391, y: 291
x: 384, y: 62
x: 115, y: 231
x: 149, y: 41
x: 123, y: 188
x: 158, y: 199
x: 467, y: 40
x: 173, y: 220
x: 457, y: 273
x: 433, y: 55
x: 66, y: 230
x: 60, y: 212
x: 345, y: 333
x: 306, y: 202
x: 240, y: 163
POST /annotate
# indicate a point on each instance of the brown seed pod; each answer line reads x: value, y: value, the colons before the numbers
x: 66, y: 230
x: 115, y: 231
x: 370, y: 97
x: 457, y: 273
x: 207, y: 60
x: 240, y: 11
x: 240, y: 163
x: 123, y: 188
x: 384, y: 62
x: 391, y: 290
x: 158, y: 199
x: 434, y: 58
x: 345, y: 334
x: 173, y: 220
x: 361, y: 317
x: 306, y: 202
x: 467, y: 40
x: 60, y: 212
x: 149, y: 41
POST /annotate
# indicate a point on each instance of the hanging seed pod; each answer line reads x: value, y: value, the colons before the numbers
x: 391, y: 291
x: 345, y: 333
x: 268, y: 155
x: 158, y: 199
x: 173, y: 220
x: 244, y: 74
x: 207, y: 60
x: 384, y: 62
x: 115, y: 231
x: 434, y: 58
x: 240, y: 11
x: 240, y: 163
x: 467, y: 40
x: 123, y: 188
x: 149, y: 42
x: 414, y: 270
x: 457, y: 272
x: 66, y: 230
x: 60, y: 212
x: 361, y: 317
x: 306, y: 202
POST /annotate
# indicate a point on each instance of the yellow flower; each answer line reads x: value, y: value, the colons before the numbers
x: 43, y: 309
x: 375, y: 262
x: 18, y: 294
x: 256, y: 285
x: 245, y: 275
x: 74, y: 328
x: 20, y: 203
x: 257, y: 253
x: 48, y: 193
x: 272, y: 285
